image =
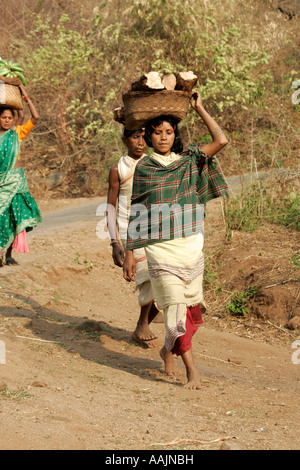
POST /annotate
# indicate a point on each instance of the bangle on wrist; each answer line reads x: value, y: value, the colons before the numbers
x: 113, y: 242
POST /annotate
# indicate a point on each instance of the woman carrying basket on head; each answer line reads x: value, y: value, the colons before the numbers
x: 173, y: 239
x: 18, y: 210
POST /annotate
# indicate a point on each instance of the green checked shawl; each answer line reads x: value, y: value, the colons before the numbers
x: 169, y: 201
x: 18, y: 209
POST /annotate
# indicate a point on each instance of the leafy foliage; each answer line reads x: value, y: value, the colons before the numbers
x: 239, y: 301
x: 78, y: 61
x: 259, y: 204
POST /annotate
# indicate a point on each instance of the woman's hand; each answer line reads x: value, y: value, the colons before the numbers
x: 23, y: 92
x: 196, y: 100
x: 118, y: 254
x: 129, y: 266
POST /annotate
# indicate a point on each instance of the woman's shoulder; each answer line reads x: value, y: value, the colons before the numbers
x: 195, y: 149
x: 24, y: 129
x: 144, y: 161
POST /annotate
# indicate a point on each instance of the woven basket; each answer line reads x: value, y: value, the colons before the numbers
x: 142, y: 106
x: 10, y: 96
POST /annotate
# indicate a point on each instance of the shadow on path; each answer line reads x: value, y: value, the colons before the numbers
x: 88, y: 338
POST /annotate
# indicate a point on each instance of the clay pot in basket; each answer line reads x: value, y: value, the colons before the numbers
x: 10, y: 95
x: 142, y: 106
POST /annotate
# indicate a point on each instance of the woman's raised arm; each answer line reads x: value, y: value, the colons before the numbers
x: 218, y: 136
x: 34, y: 114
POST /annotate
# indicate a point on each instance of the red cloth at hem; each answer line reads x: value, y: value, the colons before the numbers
x: 20, y: 244
x: 193, y: 319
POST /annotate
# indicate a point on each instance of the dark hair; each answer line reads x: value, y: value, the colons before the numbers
x: 7, y: 109
x: 128, y: 133
x: 150, y: 128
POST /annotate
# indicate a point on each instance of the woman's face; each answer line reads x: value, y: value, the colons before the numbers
x: 163, y: 138
x: 6, y: 120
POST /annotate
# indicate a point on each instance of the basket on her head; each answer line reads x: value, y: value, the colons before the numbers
x: 142, y: 106
x: 10, y: 95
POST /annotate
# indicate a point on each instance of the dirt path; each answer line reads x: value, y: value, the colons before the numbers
x: 74, y: 380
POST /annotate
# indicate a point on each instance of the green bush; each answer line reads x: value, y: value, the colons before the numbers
x: 244, y: 212
x: 240, y: 300
x: 80, y: 62
x: 257, y: 205
x: 285, y: 211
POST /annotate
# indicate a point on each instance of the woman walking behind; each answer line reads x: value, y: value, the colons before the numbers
x: 173, y: 240
x: 18, y: 210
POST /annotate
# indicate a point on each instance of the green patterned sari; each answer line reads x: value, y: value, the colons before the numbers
x: 18, y: 209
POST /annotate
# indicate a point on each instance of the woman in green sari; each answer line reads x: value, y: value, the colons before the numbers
x: 18, y: 210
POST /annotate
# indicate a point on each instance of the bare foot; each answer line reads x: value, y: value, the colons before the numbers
x: 167, y: 357
x: 193, y: 381
x: 143, y: 333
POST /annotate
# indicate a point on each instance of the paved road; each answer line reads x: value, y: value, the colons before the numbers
x: 86, y: 212
x: 64, y: 217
